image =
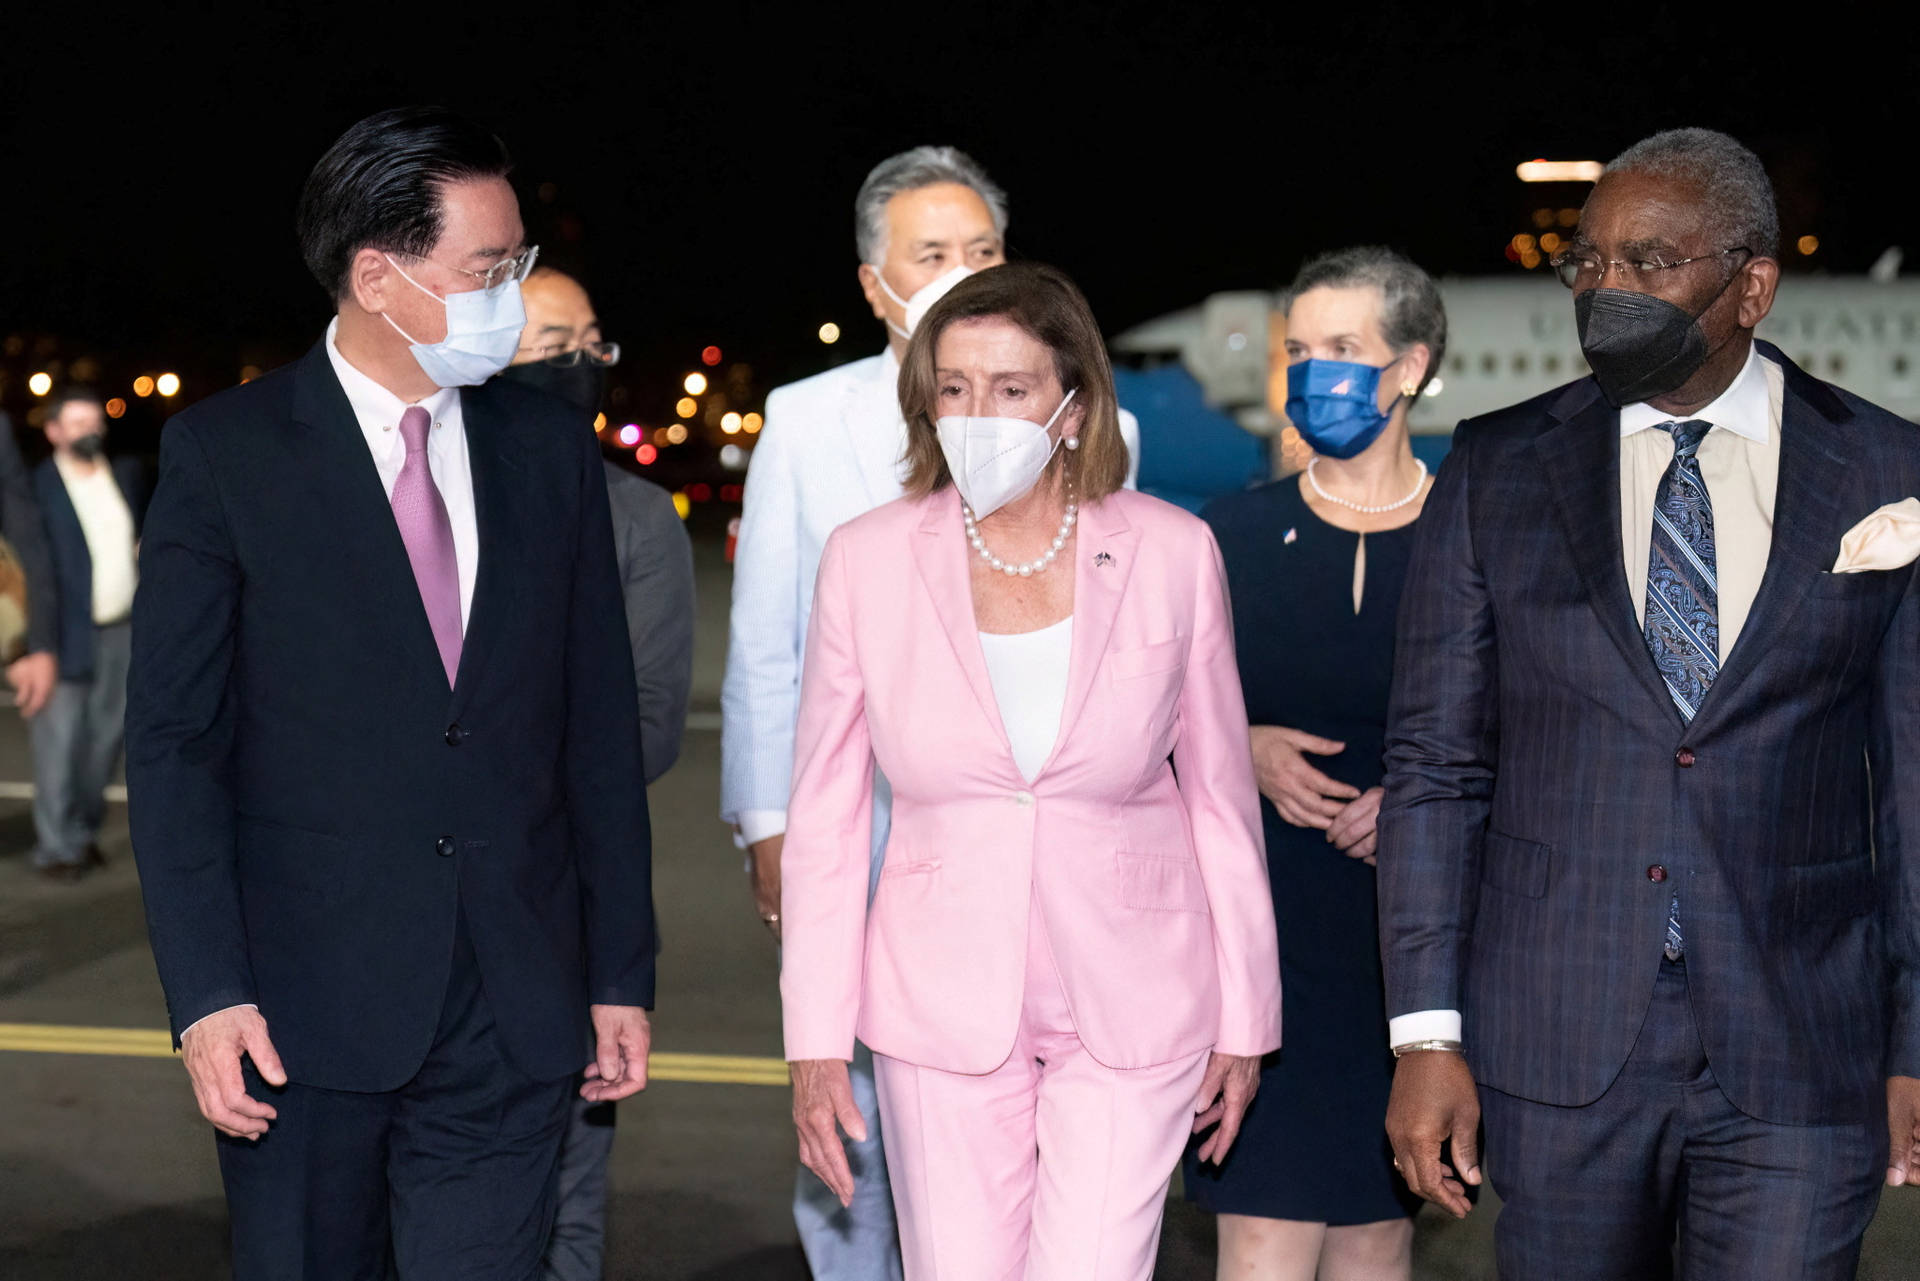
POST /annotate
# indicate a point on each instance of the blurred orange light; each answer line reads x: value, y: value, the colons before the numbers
x: 645, y: 454
x: 710, y: 356
x: 116, y: 407
x: 752, y: 423
x: 677, y: 434
x: 829, y: 333
x: 687, y: 407
x: 1550, y: 243
x: 599, y: 422
x: 1807, y: 244
x: 40, y: 384
x: 143, y: 386
x: 681, y: 504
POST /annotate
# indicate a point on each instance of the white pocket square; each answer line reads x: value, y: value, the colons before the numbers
x: 1887, y: 539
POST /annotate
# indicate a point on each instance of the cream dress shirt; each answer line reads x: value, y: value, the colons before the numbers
x: 1740, y: 461
x: 107, y: 523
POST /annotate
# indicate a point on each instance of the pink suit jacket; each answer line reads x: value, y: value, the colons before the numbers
x: 1140, y: 836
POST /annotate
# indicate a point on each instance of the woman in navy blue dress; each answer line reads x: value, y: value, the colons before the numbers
x: 1315, y: 565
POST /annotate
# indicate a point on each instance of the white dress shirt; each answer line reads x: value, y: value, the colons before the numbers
x: 378, y: 412
x: 1029, y: 674
x: 107, y: 523
x: 1740, y: 462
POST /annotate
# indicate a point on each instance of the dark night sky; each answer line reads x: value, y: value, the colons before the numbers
x: 708, y: 153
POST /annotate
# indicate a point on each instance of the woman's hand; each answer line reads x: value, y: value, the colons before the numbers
x: 1225, y: 1091
x: 1304, y: 796
x: 1353, y: 830
x: 822, y: 1096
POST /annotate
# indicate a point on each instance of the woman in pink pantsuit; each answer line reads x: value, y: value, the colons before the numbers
x: 1070, y: 961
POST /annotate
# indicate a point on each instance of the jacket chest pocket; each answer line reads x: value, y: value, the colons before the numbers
x: 1143, y: 685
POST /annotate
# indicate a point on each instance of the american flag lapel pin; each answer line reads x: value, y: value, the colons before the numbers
x: 1101, y: 560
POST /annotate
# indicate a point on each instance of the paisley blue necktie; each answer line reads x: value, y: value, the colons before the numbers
x: 1683, y: 595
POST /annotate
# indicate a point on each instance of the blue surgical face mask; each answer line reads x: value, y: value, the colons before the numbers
x: 483, y: 332
x: 1335, y: 404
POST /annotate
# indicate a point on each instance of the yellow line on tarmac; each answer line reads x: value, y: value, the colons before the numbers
x: 147, y: 1043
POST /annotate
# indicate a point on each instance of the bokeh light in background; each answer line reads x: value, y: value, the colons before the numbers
x: 645, y: 454
x: 752, y: 423
x: 143, y: 386
x: 40, y: 384
x: 630, y: 435
x: 599, y: 422
x: 733, y: 457
x: 709, y: 357
x: 682, y: 504
x: 696, y: 383
x: 687, y: 407
x: 730, y: 423
x: 116, y: 407
x: 829, y: 333
x: 167, y: 384
x: 677, y: 434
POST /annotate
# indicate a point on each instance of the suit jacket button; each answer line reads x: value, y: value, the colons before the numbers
x: 1656, y: 873
x: 1684, y: 758
x: 444, y: 847
x: 1023, y: 799
x: 455, y: 735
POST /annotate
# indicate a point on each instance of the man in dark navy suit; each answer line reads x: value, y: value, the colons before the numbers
x: 383, y: 751
x: 1646, y: 899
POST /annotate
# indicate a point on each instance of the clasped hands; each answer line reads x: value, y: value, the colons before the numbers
x: 213, y: 1047
x: 1306, y: 797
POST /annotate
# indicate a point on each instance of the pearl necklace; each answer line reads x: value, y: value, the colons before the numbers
x: 1032, y: 567
x: 1370, y: 511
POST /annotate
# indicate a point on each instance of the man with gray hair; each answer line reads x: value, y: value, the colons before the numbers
x: 831, y: 450
x: 1645, y: 897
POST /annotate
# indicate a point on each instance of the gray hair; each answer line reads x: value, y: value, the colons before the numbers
x: 910, y: 171
x: 1410, y: 312
x: 1732, y: 181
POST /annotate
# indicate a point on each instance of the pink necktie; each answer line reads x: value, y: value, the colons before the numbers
x: 425, y: 528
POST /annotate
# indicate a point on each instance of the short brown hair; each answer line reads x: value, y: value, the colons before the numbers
x: 1050, y: 307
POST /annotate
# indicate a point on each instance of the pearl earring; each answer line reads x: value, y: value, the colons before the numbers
x: 1071, y: 442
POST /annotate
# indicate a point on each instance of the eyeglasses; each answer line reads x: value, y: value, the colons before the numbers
x: 502, y: 273
x: 601, y: 354
x: 1574, y: 266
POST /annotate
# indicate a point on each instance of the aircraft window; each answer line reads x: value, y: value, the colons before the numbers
x: 1520, y: 362
x: 1489, y: 364
x: 1551, y: 364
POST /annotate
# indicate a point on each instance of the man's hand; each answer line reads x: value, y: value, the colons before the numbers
x: 1304, y: 796
x: 1434, y: 1100
x: 822, y: 1097
x: 33, y: 677
x: 622, y: 1039
x: 1903, y: 1130
x: 211, y: 1050
x: 766, y: 881
x: 1352, y: 832
x: 1225, y: 1091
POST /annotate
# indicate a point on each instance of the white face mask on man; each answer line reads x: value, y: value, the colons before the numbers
x: 483, y: 332
x: 923, y: 298
x: 996, y: 460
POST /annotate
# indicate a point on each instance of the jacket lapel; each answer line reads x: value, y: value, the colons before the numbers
x: 1581, y: 460
x: 940, y: 554
x: 355, y: 503
x: 1814, y: 461
x: 870, y: 415
x: 1097, y: 593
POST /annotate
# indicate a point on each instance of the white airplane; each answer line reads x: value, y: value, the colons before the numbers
x: 1511, y: 338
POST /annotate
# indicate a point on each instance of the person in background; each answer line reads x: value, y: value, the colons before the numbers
x: 1070, y: 964
x: 91, y: 507
x: 1315, y: 565
x: 562, y: 352
x: 35, y: 671
x: 832, y: 449
x: 1648, y: 898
